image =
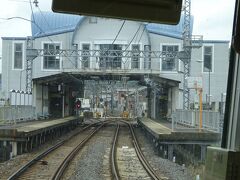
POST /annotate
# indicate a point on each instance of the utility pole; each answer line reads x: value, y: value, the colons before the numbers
x: 187, y: 49
x: 189, y: 42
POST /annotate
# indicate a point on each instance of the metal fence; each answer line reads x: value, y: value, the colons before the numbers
x: 190, y: 119
x: 14, y: 114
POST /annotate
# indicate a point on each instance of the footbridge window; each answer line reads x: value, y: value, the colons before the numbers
x: 135, y: 56
x: 110, y: 56
x: 85, y: 55
x: 169, y: 63
x: 51, y: 59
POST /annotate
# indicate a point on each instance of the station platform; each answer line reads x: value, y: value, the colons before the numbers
x: 21, y: 131
x: 162, y: 132
x: 16, y: 139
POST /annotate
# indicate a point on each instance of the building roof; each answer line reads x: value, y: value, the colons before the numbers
x: 15, y: 38
x: 174, y: 31
x: 49, y: 23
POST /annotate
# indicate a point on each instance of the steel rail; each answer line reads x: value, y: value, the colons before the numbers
x: 114, y: 169
x: 24, y: 168
x: 59, y: 172
x: 140, y: 155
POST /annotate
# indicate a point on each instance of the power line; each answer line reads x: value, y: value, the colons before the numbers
x: 119, y: 31
x: 42, y: 31
x: 22, y: 18
x: 74, y: 66
x: 32, y: 10
x: 25, y: 19
x: 142, y: 34
x: 133, y: 37
x: 44, y: 17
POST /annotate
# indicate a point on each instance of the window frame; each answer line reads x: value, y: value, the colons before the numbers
x: 42, y: 58
x: 139, y: 57
x: 13, y: 55
x: 90, y: 58
x: 208, y: 45
x: 121, y: 45
x: 178, y: 61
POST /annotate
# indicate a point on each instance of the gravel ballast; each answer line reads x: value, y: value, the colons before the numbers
x: 169, y: 169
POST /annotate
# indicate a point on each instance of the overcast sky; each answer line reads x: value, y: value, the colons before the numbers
x: 212, y: 18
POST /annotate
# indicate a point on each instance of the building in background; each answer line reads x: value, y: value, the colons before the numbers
x: 53, y: 31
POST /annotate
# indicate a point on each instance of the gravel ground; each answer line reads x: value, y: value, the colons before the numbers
x: 127, y: 161
x: 92, y: 163
x: 9, y: 167
x: 165, y: 167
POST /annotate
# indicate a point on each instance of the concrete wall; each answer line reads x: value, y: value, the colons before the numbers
x: 218, y: 78
x: 65, y: 62
x: 11, y: 77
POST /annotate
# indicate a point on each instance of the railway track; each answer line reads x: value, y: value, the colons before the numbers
x: 51, y: 163
x: 114, y: 168
x: 115, y: 172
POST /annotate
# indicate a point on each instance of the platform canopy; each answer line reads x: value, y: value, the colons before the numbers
x: 164, y: 81
x: 79, y: 77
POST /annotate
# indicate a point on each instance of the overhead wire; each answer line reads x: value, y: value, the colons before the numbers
x: 49, y: 37
x: 119, y: 31
x: 133, y: 37
x: 142, y: 34
x: 30, y: 2
x: 43, y: 17
x: 135, y: 34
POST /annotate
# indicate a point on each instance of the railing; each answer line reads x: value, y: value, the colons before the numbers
x: 14, y: 114
x: 190, y: 119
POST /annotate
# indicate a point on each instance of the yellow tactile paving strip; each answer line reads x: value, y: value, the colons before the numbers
x: 157, y: 128
x: 42, y: 125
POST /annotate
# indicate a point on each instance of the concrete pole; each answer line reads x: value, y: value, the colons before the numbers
x: 28, y: 98
x: 170, y: 152
x: 154, y: 104
x: 203, y: 152
x: 200, y: 109
x: 24, y: 99
x: 14, y: 148
x: 20, y: 99
x: 16, y: 99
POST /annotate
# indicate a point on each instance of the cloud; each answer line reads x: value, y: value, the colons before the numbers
x: 213, y: 19
x: 21, y: 8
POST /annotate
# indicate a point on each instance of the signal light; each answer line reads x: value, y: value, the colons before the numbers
x: 78, y: 104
